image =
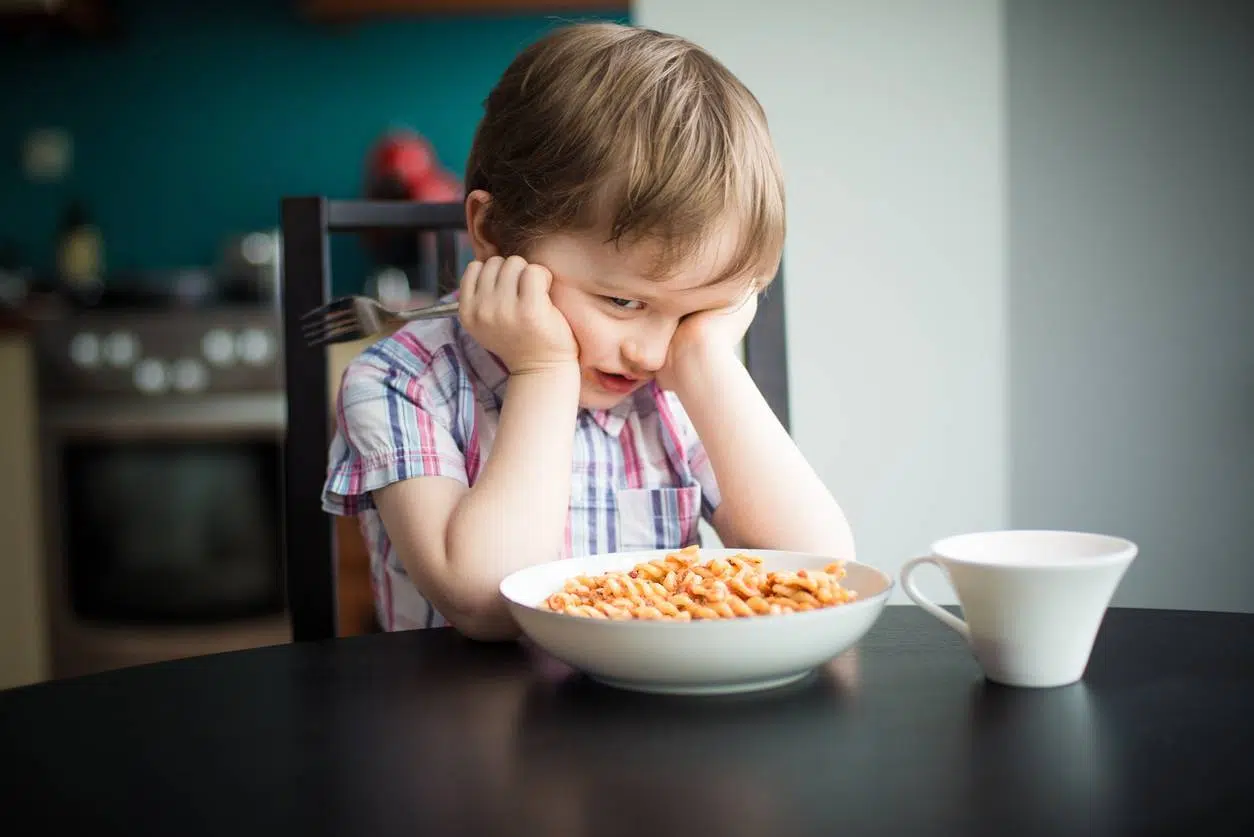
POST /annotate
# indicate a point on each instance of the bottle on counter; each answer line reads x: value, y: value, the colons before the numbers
x: 80, y: 252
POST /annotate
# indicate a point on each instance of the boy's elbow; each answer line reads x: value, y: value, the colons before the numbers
x: 474, y: 605
x: 488, y: 631
x: 486, y: 619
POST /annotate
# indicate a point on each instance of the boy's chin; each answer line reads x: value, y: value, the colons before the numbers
x: 591, y: 398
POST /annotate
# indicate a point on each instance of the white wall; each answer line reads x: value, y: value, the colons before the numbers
x: 1046, y: 329
x: 1131, y: 153
x: 888, y: 119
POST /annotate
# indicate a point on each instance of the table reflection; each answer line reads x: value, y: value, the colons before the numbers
x: 597, y: 748
x: 1043, y: 748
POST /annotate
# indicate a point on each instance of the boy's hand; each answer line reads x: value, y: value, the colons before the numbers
x: 710, y: 335
x: 505, y: 305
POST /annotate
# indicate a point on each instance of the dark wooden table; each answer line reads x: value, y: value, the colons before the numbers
x: 425, y: 733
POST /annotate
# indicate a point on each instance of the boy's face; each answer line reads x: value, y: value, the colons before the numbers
x: 622, y: 319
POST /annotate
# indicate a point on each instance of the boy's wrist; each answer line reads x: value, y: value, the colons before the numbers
x: 558, y: 376
x: 695, y: 365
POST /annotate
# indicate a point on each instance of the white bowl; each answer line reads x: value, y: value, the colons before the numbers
x: 715, y: 656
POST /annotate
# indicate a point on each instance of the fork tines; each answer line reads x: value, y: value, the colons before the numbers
x: 335, y: 322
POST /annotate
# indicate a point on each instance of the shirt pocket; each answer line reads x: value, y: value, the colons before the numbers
x: 658, y: 518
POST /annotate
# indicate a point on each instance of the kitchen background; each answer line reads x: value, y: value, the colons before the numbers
x: 146, y: 147
x: 1018, y: 280
x: 192, y: 121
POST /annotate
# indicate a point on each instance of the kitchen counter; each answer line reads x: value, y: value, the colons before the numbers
x: 14, y: 322
x: 24, y: 318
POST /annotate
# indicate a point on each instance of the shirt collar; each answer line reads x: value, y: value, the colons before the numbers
x: 613, y: 419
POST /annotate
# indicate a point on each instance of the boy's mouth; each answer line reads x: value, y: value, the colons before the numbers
x: 614, y: 382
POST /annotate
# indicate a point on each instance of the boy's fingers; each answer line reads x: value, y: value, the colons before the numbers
x: 489, y: 276
x: 507, y: 280
x: 470, y: 279
x: 534, y: 283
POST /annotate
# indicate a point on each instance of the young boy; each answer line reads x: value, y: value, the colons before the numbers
x: 625, y: 207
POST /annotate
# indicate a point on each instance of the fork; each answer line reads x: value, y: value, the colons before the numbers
x: 354, y: 317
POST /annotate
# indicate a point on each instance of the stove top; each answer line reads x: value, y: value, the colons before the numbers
x: 169, y: 351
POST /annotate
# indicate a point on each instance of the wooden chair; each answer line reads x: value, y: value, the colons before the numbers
x: 309, y: 544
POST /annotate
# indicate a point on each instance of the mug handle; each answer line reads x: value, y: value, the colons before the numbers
x: 907, y: 584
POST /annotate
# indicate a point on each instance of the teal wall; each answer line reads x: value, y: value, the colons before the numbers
x: 196, y: 122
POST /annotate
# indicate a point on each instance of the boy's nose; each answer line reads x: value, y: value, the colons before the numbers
x: 645, y: 356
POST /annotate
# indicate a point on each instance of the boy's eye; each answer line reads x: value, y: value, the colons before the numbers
x: 625, y: 304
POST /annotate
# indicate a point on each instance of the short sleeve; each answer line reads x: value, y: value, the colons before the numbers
x: 695, y: 457
x: 395, y: 421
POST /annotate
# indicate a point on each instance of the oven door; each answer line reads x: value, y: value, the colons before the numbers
x: 169, y: 512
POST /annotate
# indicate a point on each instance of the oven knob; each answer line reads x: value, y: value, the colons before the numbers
x: 190, y: 375
x: 218, y: 347
x: 85, y: 350
x: 150, y: 376
x: 255, y: 346
x: 121, y: 348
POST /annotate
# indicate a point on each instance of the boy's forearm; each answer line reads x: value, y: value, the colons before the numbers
x: 515, y: 515
x: 771, y: 497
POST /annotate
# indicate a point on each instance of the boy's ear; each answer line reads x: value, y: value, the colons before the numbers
x: 477, y: 227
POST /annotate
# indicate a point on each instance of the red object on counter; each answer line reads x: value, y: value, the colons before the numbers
x: 404, y: 162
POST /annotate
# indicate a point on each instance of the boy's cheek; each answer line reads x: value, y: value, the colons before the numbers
x: 585, y: 331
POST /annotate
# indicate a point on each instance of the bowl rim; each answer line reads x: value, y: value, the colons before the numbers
x: 876, y: 600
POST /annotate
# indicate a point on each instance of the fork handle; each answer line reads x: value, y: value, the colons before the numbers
x: 429, y: 312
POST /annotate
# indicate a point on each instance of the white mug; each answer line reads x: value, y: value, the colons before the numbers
x: 1032, y: 600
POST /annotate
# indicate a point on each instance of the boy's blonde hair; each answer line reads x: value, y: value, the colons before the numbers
x: 646, y: 135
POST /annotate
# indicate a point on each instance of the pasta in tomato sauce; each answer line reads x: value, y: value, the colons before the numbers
x: 683, y: 588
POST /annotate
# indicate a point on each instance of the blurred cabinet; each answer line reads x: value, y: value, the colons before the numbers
x: 350, y: 10
x: 92, y: 18
x: 23, y: 622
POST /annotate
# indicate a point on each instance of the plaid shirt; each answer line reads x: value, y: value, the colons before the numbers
x: 427, y: 401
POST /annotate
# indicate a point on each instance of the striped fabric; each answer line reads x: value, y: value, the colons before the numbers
x: 427, y: 401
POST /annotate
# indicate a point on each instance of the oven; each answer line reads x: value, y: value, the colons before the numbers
x: 162, y: 438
